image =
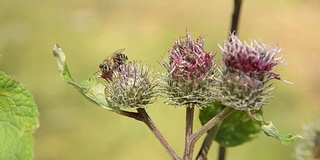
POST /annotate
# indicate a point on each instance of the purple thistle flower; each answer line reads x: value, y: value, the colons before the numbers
x: 188, y: 60
x: 255, y: 59
x: 190, y: 73
x: 246, y: 70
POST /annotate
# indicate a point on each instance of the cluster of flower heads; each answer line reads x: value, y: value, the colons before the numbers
x: 240, y: 82
x: 193, y: 78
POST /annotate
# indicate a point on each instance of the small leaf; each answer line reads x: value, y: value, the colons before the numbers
x: 270, y: 130
x: 236, y: 129
x: 90, y: 88
x: 19, y: 118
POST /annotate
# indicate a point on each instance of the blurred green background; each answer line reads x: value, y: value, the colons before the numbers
x: 73, y: 128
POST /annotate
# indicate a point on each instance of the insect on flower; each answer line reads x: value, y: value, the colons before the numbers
x: 112, y: 63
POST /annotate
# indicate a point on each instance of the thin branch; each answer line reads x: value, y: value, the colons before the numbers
x: 235, y: 16
x: 222, y: 153
x: 133, y: 115
x: 214, y: 121
x: 188, y: 150
x: 203, y: 152
x: 148, y: 121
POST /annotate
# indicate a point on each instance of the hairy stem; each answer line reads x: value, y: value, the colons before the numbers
x: 203, y: 152
x: 188, y: 149
x: 235, y: 16
x: 148, y: 121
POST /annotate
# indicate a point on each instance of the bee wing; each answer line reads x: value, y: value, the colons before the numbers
x: 118, y: 51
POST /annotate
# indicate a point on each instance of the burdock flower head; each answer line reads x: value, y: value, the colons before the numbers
x: 246, y: 71
x: 308, y: 148
x: 131, y: 87
x: 189, y: 72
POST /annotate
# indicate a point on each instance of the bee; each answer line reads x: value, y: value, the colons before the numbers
x: 112, y: 63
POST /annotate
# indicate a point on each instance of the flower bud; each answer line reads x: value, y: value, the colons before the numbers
x: 131, y: 87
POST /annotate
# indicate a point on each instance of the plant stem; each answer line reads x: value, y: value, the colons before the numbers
x: 235, y: 16
x: 148, y: 121
x: 203, y: 152
x: 222, y: 153
x: 133, y: 115
x: 213, y: 122
x: 188, y: 149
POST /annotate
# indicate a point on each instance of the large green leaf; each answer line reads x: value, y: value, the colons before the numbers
x: 18, y: 120
x: 90, y: 88
x: 236, y: 129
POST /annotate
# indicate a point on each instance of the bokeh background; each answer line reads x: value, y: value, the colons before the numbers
x: 73, y: 128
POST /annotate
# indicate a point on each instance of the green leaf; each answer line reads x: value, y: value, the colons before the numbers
x: 206, y: 113
x: 90, y: 88
x: 270, y: 130
x: 236, y: 129
x: 18, y: 120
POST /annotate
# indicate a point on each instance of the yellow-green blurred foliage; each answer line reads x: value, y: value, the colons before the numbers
x: 72, y: 128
